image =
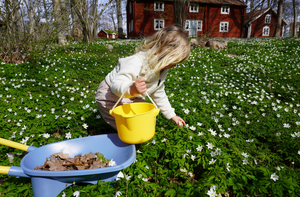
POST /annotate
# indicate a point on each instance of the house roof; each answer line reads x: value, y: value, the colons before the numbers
x: 222, y: 2
x: 253, y: 16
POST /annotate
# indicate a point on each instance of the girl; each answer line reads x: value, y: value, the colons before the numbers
x: 145, y: 71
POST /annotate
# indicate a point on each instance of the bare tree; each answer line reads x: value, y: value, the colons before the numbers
x: 59, y: 9
x: 180, y: 11
x: 88, y: 22
x: 295, y: 19
x: 279, y: 18
x: 120, y: 18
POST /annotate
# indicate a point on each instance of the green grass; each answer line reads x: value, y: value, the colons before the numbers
x: 244, y: 101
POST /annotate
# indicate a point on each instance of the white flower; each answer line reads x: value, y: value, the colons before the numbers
x: 245, y: 155
x: 226, y: 135
x: 212, y: 161
x: 192, y: 128
x: 187, y: 111
x: 119, y: 176
x: 218, y: 151
x: 193, y: 157
x: 98, y: 117
x: 212, y: 153
x: 190, y: 137
x: 76, y: 194
x: 298, y: 152
x: 153, y: 141
x: 286, y: 125
x: 64, y: 194
x: 199, y: 124
x: 200, y: 133
x: 145, y: 179
x: 191, y: 174
x: 68, y: 135
x: 112, y: 163
x: 228, y: 167
x: 138, y: 151
x: 85, y: 126
x: 212, y: 192
x: 274, y: 177
x: 127, y: 177
x: 118, y: 193
x: 164, y: 140
x: 209, y: 145
x: 46, y: 135
x: 245, y: 161
x: 199, y: 148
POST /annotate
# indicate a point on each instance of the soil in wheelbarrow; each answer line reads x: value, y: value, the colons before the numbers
x: 62, y: 162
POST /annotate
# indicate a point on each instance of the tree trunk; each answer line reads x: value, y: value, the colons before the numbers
x: 179, y: 12
x: 279, y: 19
x: 295, y: 19
x: 120, y: 18
x: 57, y: 9
x: 113, y: 20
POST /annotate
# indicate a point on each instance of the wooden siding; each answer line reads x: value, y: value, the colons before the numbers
x: 143, y: 15
x: 258, y: 25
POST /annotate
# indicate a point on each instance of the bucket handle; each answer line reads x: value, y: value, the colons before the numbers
x: 124, y: 93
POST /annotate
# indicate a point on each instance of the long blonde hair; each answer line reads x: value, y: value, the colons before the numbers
x: 168, y: 46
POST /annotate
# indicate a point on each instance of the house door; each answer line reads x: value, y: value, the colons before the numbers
x: 193, y: 29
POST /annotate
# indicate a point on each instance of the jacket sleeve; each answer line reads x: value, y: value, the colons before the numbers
x: 161, y: 99
x: 127, y: 72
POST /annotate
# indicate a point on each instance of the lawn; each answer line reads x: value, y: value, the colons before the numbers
x: 241, y: 106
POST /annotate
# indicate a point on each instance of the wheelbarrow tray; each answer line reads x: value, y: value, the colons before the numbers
x: 109, y: 145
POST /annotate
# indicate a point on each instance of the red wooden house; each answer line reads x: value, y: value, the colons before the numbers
x: 105, y: 33
x: 213, y: 18
x: 261, y: 23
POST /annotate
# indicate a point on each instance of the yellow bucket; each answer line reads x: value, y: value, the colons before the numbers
x: 135, y: 121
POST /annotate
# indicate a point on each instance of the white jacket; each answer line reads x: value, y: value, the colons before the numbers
x: 127, y: 71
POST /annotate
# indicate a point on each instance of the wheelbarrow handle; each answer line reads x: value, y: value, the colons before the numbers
x: 16, y: 145
x: 13, y: 171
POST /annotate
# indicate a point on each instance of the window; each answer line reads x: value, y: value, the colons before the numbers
x: 194, y: 8
x: 190, y: 24
x: 158, y: 6
x: 224, y: 26
x: 268, y: 19
x: 225, y: 10
x: 199, y: 25
x: 187, y: 25
x: 130, y: 8
x: 266, y: 31
x: 159, y: 24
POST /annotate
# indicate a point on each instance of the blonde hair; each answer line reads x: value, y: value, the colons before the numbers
x: 168, y: 46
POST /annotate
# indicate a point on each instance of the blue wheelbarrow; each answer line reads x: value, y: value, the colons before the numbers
x: 51, y: 183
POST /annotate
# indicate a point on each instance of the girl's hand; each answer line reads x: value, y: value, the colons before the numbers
x: 179, y: 121
x: 138, y: 87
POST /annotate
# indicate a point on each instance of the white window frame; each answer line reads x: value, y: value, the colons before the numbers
x: 199, y: 21
x: 268, y: 19
x: 160, y: 21
x: 225, y: 9
x: 194, y: 8
x: 187, y: 25
x: 159, y: 6
x: 264, y: 33
x: 222, y: 23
